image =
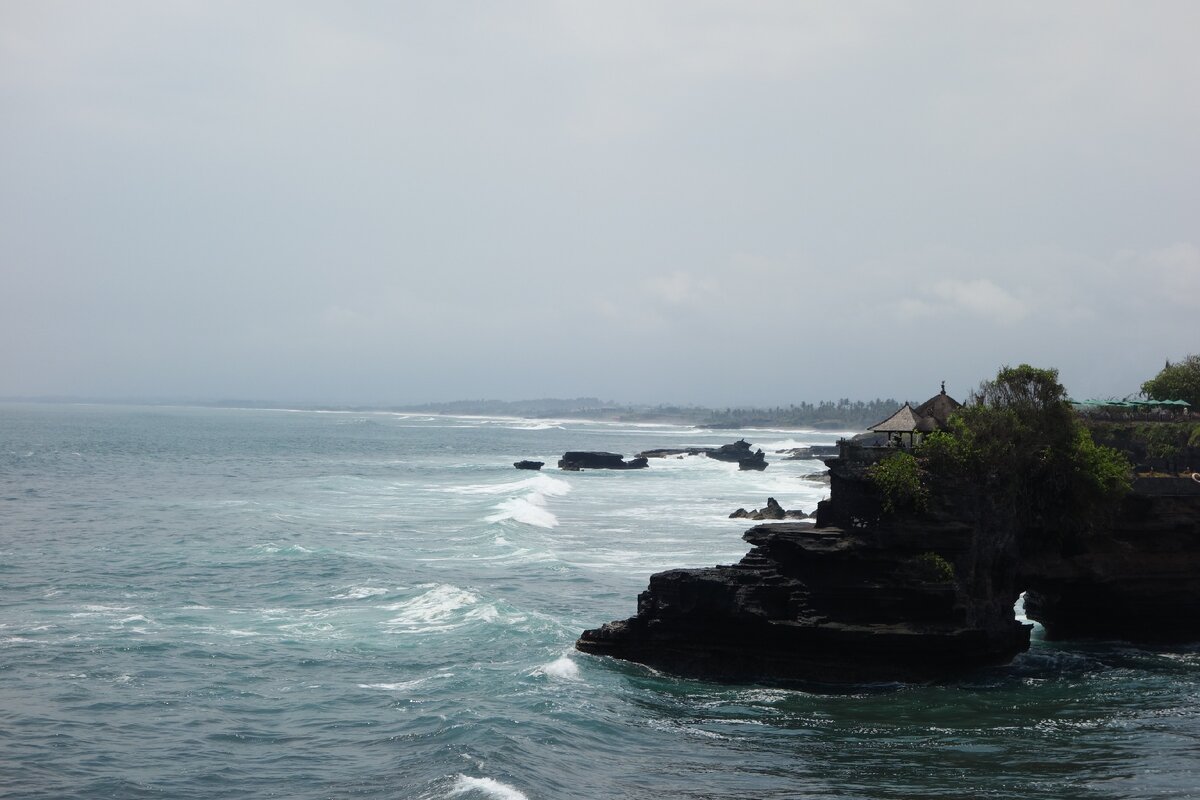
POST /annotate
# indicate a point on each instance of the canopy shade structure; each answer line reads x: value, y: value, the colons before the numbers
x: 1130, y: 404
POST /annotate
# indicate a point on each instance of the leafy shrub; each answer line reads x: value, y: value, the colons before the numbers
x: 898, y: 478
x: 932, y: 568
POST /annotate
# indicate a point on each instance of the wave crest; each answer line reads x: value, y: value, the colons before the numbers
x: 488, y: 787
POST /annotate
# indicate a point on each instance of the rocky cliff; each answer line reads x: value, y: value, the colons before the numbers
x: 873, y: 598
x: 1138, y: 580
x: 864, y: 595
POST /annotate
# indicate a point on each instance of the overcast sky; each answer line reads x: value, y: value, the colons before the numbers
x: 709, y: 202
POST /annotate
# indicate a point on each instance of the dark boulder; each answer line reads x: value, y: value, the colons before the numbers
x: 758, y: 462
x: 576, y: 460
x: 736, y: 452
x: 771, y: 511
x: 534, y: 465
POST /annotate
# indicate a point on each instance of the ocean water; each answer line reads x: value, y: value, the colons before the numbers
x: 218, y: 603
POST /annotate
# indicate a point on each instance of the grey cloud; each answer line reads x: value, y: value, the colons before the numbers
x: 394, y: 203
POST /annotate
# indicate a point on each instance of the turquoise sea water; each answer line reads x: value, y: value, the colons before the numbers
x: 212, y: 603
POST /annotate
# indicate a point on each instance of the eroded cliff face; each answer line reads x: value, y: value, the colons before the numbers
x: 872, y: 598
x: 865, y: 596
x: 1137, y: 580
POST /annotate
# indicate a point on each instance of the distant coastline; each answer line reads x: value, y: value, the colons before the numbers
x: 842, y: 414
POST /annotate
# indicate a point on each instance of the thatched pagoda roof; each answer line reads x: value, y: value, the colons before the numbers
x: 906, y: 420
x: 929, y: 416
x: 939, y: 407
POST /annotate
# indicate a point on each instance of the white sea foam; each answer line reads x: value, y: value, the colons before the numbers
x: 529, y: 510
x: 434, y: 610
x: 405, y: 686
x: 561, y: 669
x: 542, y: 484
x: 402, y: 686
x: 529, y: 506
x: 270, y: 548
x: 487, y: 613
x: 783, y: 444
x: 359, y: 593
x: 487, y: 787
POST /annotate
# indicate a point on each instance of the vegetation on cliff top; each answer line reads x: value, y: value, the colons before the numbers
x: 1018, y: 438
x: 901, y: 482
x: 1179, y: 381
x: 1157, y: 445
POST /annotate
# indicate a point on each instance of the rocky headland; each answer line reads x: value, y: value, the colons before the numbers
x: 857, y: 597
x: 865, y: 595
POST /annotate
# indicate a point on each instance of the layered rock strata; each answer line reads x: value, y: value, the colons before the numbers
x: 871, y: 599
x: 864, y: 596
x: 1138, y: 581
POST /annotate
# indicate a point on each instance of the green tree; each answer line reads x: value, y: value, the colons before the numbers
x: 1018, y: 438
x: 1179, y: 381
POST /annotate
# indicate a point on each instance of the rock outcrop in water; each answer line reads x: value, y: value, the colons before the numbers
x: 758, y: 461
x: 739, y: 452
x: 857, y: 598
x: 576, y: 460
x: 736, y: 452
x: 772, y: 510
x: 865, y: 596
x: 526, y: 464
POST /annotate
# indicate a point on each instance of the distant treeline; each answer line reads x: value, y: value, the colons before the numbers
x: 544, y: 407
x: 844, y: 414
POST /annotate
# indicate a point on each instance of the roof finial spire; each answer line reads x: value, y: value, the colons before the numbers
x: 943, y: 387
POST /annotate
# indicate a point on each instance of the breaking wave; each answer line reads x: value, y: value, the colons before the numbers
x: 487, y: 787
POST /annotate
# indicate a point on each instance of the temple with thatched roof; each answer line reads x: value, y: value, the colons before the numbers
x: 932, y: 415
